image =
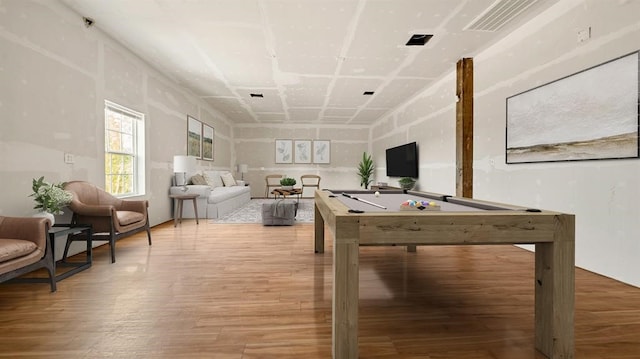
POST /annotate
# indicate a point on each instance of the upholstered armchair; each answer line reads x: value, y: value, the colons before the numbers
x: 111, y: 218
x: 24, y: 247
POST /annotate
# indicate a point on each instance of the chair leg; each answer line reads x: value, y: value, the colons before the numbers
x: 52, y: 279
x: 148, y: 232
x: 50, y: 265
x: 112, y: 244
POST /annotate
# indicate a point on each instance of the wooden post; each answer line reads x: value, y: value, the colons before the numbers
x: 464, y: 128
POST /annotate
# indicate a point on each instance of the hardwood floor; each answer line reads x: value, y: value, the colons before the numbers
x: 248, y: 291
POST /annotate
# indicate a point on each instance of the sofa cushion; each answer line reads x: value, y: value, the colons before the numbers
x: 213, y: 178
x: 128, y: 217
x: 14, y: 248
x: 228, y: 180
x: 220, y: 194
x: 198, y: 180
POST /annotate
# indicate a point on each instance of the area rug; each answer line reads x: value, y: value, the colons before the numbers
x: 252, y: 212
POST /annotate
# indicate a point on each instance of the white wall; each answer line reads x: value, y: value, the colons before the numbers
x: 55, y: 75
x: 602, y: 194
x: 255, y: 146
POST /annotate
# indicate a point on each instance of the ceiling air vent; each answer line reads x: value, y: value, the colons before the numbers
x: 257, y: 95
x: 418, y: 40
x: 368, y: 93
x: 498, y: 14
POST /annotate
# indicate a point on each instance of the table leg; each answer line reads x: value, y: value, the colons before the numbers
x: 318, y: 222
x: 178, y: 212
x: 195, y: 209
x: 345, y: 293
x: 555, y: 292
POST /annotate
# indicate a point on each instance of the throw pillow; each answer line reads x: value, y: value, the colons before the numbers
x: 213, y: 178
x: 199, y: 180
x: 228, y: 180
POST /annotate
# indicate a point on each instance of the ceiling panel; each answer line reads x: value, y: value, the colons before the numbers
x: 368, y: 117
x: 397, y: 91
x: 313, y: 59
x: 304, y: 115
x: 307, y: 92
x: 308, y: 36
x: 348, y: 92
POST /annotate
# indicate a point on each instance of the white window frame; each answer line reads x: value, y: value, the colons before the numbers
x: 138, y: 153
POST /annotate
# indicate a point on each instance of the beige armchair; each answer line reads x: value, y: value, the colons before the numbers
x: 272, y: 181
x: 23, y: 247
x: 310, y: 181
x: 111, y: 218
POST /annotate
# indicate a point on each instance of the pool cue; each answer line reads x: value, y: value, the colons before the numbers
x: 362, y: 200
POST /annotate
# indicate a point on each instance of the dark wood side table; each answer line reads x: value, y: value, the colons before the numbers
x: 65, y: 230
x: 179, y: 199
x: 59, y: 230
x: 287, y: 192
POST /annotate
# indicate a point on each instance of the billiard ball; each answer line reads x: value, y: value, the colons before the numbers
x: 377, y: 194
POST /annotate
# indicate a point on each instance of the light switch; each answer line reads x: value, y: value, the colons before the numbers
x: 68, y: 158
x: 584, y: 35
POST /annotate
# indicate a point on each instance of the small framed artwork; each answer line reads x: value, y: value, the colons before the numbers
x: 207, y: 142
x: 194, y: 137
x: 302, y: 151
x: 321, y: 151
x: 284, y: 151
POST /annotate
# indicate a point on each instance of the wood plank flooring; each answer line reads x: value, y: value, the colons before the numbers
x: 248, y: 291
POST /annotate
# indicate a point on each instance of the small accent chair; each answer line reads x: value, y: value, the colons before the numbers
x: 24, y: 247
x: 272, y: 181
x: 309, y: 181
x: 112, y: 218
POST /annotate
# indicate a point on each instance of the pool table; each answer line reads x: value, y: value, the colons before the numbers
x: 368, y: 219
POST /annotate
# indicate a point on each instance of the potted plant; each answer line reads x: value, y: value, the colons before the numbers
x: 287, y: 183
x: 50, y: 198
x: 407, y: 182
x: 365, y: 170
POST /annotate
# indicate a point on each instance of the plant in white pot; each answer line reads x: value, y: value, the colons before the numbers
x: 407, y: 183
x: 287, y: 183
x: 365, y: 170
x: 50, y: 198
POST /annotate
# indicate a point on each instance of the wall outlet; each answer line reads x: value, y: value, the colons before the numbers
x: 584, y: 35
x: 68, y: 158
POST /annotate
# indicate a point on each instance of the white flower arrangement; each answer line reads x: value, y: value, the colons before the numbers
x: 49, y: 197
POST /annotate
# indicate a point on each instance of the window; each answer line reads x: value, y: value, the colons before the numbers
x: 124, y: 151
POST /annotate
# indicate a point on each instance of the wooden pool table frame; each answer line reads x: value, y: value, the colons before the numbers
x: 552, y: 233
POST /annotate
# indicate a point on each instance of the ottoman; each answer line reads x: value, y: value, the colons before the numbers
x: 279, y: 213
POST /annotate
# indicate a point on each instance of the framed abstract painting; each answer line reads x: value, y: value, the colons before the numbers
x: 590, y: 115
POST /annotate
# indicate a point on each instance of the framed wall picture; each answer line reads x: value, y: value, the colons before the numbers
x: 590, y: 115
x: 302, y: 151
x: 194, y: 137
x: 207, y: 142
x: 321, y: 151
x: 284, y: 151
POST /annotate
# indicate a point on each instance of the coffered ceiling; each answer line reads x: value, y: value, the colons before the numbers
x: 310, y: 60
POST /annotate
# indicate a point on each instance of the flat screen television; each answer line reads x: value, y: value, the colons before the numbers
x: 402, y: 161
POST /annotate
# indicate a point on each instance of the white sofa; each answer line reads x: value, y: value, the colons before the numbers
x: 215, y: 200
